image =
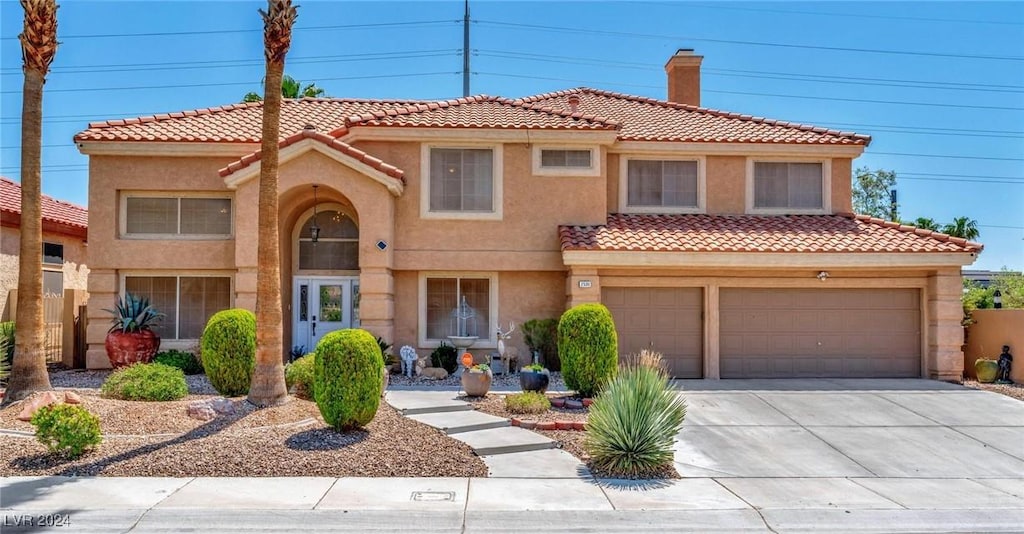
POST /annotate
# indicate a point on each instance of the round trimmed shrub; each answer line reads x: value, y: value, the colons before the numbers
x: 67, y: 429
x: 184, y: 360
x: 299, y: 374
x: 588, y: 348
x: 146, y: 382
x: 348, y: 378
x: 228, y: 351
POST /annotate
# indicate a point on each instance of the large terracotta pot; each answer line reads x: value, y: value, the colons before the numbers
x: 476, y: 383
x: 127, y: 348
x: 533, y: 381
x: 987, y: 370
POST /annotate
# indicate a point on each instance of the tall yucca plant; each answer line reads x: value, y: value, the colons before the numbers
x: 38, y: 47
x: 268, y: 386
x: 634, y: 421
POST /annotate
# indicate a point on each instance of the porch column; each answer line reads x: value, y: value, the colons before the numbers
x: 102, y: 294
x: 945, y: 358
x: 246, y: 224
x: 377, y: 302
x: 587, y: 276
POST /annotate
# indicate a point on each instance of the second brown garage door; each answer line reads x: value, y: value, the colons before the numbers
x: 779, y: 333
x: 667, y: 320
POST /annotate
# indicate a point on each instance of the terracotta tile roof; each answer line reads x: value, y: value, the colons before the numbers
x: 647, y: 119
x: 327, y: 140
x: 481, y: 111
x: 757, y: 233
x: 235, y: 123
x: 55, y: 211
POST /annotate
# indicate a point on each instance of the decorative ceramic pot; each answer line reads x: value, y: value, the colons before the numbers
x: 534, y: 381
x: 476, y: 383
x: 987, y: 370
x: 127, y: 348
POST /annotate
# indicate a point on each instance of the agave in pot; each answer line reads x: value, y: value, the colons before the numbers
x: 131, y: 338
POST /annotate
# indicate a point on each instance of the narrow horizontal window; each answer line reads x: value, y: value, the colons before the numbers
x: 184, y: 216
x: 562, y: 159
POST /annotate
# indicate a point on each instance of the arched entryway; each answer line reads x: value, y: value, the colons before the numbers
x: 325, y: 273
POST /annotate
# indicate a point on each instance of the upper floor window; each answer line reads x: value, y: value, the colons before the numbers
x: 654, y: 185
x: 145, y: 215
x: 579, y: 159
x: 462, y: 183
x: 789, y: 186
x: 53, y: 253
x: 561, y: 161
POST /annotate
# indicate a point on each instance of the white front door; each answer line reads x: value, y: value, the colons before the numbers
x: 323, y: 304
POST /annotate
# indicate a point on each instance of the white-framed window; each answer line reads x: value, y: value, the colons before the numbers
x: 788, y: 186
x: 462, y: 182
x: 661, y: 185
x: 176, y: 216
x: 565, y: 161
x: 439, y: 295
x: 188, y: 301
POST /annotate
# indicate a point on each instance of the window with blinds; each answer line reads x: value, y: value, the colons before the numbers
x: 782, y: 185
x: 177, y: 216
x: 187, y: 301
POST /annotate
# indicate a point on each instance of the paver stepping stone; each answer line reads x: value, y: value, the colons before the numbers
x: 463, y: 421
x: 504, y: 440
x: 417, y: 402
x: 547, y: 463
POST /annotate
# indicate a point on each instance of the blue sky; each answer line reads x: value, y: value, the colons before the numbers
x: 940, y: 86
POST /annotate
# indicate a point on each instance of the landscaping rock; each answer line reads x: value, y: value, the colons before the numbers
x: 222, y: 405
x: 557, y: 402
x: 35, y: 402
x: 546, y: 425
x: 202, y: 411
x: 71, y: 397
x: 527, y: 424
x: 436, y: 373
x: 573, y: 404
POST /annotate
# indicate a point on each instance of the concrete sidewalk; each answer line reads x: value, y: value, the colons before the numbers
x: 108, y: 504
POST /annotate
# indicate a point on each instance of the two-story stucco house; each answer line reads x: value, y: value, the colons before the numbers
x: 724, y: 241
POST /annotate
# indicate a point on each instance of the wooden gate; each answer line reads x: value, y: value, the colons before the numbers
x: 53, y: 326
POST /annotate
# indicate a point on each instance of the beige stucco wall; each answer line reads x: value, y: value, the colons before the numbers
x: 985, y: 339
x: 75, y: 270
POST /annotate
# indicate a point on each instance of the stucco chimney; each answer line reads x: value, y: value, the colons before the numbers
x: 683, y: 71
x: 574, y: 103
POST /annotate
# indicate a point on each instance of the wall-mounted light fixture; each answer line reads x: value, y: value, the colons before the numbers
x: 997, y: 299
x: 823, y: 275
x: 314, y: 230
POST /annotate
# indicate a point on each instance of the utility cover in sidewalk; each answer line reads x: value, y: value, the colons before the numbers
x: 433, y: 496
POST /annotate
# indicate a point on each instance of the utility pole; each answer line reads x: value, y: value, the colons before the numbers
x: 892, y: 205
x: 465, y: 52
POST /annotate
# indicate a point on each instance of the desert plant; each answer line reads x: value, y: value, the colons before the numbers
x: 6, y: 349
x: 67, y: 429
x: 527, y: 402
x: 634, y: 421
x: 184, y: 360
x: 348, y: 378
x: 444, y: 356
x: 588, y: 347
x: 534, y: 367
x: 299, y: 374
x: 133, y: 314
x: 541, y: 335
x: 229, y: 351
x: 297, y: 352
x: 146, y: 382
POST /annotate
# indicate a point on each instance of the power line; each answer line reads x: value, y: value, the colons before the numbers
x: 253, y: 30
x: 960, y: 181
x: 951, y: 156
x: 1015, y: 178
x: 844, y: 15
x: 592, y: 31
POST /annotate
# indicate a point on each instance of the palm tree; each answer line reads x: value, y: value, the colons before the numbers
x: 268, y: 387
x: 38, y: 46
x: 290, y: 88
x: 926, y: 223
x: 964, y: 227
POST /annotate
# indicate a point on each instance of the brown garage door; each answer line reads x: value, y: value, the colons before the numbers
x: 777, y: 333
x: 667, y: 320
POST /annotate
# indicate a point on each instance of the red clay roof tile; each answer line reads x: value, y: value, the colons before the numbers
x: 57, y: 211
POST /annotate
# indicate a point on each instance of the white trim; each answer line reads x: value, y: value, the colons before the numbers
x: 460, y: 135
x: 122, y: 227
x: 594, y: 169
x: 624, y: 206
x: 826, y: 187
x: 489, y: 342
x: 176, y: 342
x: 738, y: 149
x: 290, y: 152
x: 497, y: 189
x: 165, y: 148
x: 761, y: 260
x: 297, y: 227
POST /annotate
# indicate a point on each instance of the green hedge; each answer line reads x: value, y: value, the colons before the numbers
x: 146, y: 382
x: 588, y: 347
x: 67, y: 429
x: 228, y: 351
x: 348, y: 377
x: 184, y: 360
x: 300, y: 375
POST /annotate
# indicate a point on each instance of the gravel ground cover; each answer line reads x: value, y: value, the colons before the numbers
x: 1010, y: 390
x: 93, y: 379
x: 510, y: 381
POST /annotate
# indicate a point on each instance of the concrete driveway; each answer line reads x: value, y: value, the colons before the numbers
x: 867, y: 444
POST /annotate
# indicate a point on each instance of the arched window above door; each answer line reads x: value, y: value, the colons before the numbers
x: 337, y: 247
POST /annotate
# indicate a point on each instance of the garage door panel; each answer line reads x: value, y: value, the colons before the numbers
x: 667, y: 320
x: 820, y: 332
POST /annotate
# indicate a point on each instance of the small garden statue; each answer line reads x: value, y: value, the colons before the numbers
x: 504, y: 336
x: 409, y: 357
x: 1005, y: 362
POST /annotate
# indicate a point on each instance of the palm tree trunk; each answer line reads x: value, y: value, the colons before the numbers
x: 39, y: 43
x: 268, y: 386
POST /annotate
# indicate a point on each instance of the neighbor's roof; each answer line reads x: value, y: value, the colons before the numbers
x: 757, y: 233
x: 55, y: 211
x: 635, y: 118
